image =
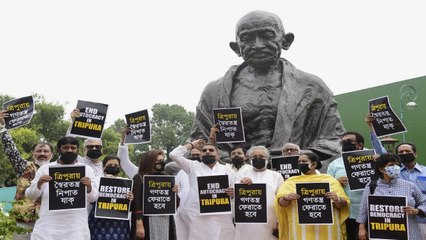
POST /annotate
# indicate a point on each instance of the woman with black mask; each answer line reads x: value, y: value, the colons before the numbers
x: 104, y: 228
x: 152, y: 163
x: 286, y: 203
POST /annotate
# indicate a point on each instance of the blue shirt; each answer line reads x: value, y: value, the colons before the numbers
x: 412, y: 176
x: 337, y: 169
x: 377, y: 144
x: 396, y: 187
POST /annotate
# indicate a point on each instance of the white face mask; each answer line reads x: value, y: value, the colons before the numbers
x: 393, y: 171
x: 41, y: 163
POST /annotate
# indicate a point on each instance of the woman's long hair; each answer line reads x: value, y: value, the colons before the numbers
x: 146, y: 165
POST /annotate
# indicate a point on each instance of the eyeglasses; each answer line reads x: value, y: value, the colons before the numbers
x: 207, y: 150
x: 94, y: 146
x: 290, y: 149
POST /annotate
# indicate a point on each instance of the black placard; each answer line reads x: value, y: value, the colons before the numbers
x: 90, y: 123
x: 212, y: 195
x: 159, y: 199
x: 359, y: 167
x: 386, y: 217
x: 20, y: 112
x: 112, y: 201
x: 65, y: 189
x: 140, y: 129
x: 286, y: 166
x: 230, y: 124
x: 386, y: 122
x: 313, y: 207
x: 250, y: 203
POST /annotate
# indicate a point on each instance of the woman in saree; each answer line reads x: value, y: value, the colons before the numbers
x: 287, y: 210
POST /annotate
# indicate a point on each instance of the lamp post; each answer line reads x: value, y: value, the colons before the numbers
x: 389, y: 143
x: 410, y: 93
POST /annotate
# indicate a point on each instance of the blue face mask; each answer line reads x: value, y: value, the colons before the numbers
x: 393, y: 171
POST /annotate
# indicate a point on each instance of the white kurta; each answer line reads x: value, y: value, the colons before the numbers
x: 182, y: 180
x: 261, y: 231
x: 97, y: 168
x: 67, y: 224
x: 206, y: 227
x: 245, y: 167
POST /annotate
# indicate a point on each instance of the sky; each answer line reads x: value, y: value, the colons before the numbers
x: 134, y: 54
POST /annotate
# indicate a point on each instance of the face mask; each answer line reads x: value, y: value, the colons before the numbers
x: 258, y: 163
x: 237, y: 161
x: 208, y: 159
x: 348, y: 146
x: 112, y: 170
x: 68, y: 157
x: 159, y: 166
x: 94, y: 154
x: 41, y: 163
x: 407, y: 158
x: 196, y: 159
x: 303, y: 167
x: 393, y: 171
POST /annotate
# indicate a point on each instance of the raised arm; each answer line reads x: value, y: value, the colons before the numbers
x: 375, y: 141
x: 19, y: 164
x: 75, y: 113
x: 123, y: 153
x: 178, y: 154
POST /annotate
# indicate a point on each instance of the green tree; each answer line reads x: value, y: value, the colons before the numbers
x: 5, y: 98
x: 118, y: 125
x: 171, y: 126
x: 47, y: 124
x: 48, y: 120
x: 110, y: 141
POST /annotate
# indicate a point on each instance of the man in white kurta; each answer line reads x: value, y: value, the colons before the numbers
x: 182, y: 180
x: 259, y: 174
x: 206, y: 227
x: 65, y: 224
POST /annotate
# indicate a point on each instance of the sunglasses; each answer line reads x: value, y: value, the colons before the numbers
x: 207, y: 150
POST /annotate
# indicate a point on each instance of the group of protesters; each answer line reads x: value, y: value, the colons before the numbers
x: 397, y: 174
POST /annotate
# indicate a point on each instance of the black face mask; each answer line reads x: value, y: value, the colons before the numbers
x: 237, y: 161
x: 94, y: 154
x: 68, y: 157
x: 112, y: 170
x: 159, y: 166
x: 348, y: 146
x: 208, y: 159
x: 258, y: 163
x: 196, y: 159
x: 303, y: 167
x: 407, y: 158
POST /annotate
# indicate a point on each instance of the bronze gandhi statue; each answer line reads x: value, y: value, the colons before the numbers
x: 279, y: 103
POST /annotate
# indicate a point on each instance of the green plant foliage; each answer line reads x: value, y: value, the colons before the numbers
x: 8, y: 226
x: 171, y: 126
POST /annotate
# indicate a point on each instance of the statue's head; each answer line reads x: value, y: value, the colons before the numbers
x: 260, y: 37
